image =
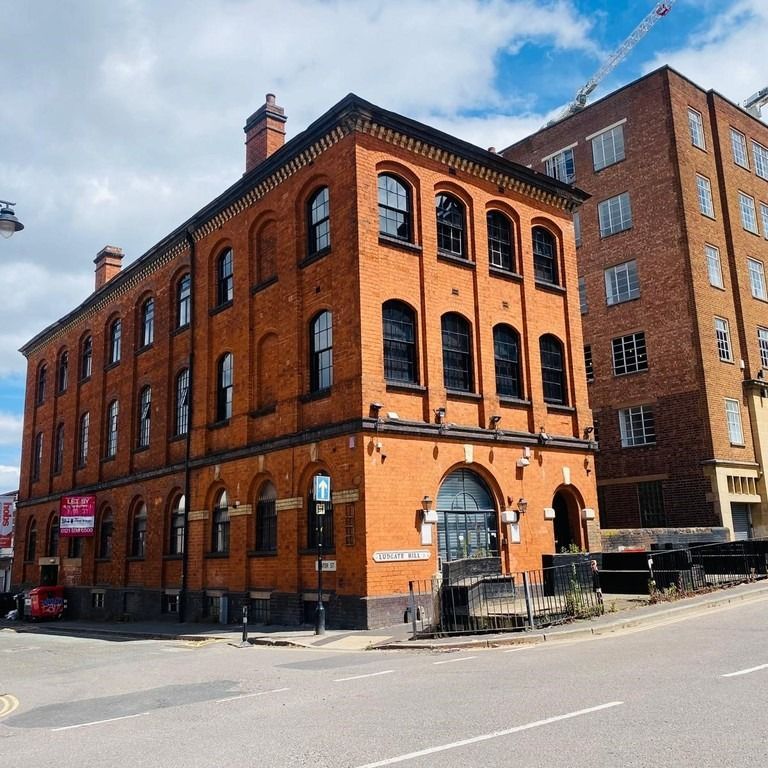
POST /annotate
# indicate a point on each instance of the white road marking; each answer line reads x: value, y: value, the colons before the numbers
x: 746, y: 671
x: 251, y: 695
x: 99, y: 722
x: 453, y: 661
x: 487, y: 736
x: 360, y: 677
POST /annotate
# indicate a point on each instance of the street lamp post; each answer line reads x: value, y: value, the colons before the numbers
x: 8, y: 221
x: 320, y: 612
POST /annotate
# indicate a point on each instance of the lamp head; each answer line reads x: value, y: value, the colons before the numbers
x: 494, y: 420
x: 8, y: 221
x: 522, y: 505
x: 426, y: 503
x: 440, y: 414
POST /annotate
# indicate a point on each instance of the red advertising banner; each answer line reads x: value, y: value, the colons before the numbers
x: 76, y: 516
x: 6, y: 523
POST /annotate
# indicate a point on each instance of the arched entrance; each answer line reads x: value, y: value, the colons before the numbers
x: 466, y: 517
x: 567, y: 521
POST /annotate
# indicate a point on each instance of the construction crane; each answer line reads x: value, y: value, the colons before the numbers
x: 755, y: 102
x: 660, y: 10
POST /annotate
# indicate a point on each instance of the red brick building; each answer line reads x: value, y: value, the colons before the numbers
x: 671, y: 257
x: 374, y: 302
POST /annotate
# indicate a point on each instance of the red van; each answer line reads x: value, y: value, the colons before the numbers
x: 45, y: 603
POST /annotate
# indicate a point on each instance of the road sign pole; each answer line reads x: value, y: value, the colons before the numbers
x: 320, y: 612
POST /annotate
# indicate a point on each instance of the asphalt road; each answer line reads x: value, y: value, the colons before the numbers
x: 691, y: 693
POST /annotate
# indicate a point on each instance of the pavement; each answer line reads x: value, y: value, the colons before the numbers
x: 623, y: 612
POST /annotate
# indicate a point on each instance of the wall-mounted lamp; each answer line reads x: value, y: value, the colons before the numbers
x: 375, y: 409
x: 439, y: 415
x: 544, y: 438
x: 8, y: 221
x: 428, y: 514
x: 494, y: 421
x: 588, y: 431
x: 522, y: 505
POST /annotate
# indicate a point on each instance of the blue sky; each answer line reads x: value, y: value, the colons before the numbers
x: 123, y: 118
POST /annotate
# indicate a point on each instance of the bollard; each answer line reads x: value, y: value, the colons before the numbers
x: 245, y: 623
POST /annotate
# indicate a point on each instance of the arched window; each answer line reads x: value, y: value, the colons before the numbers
x: 53, y: 537
x: 553, y: 370
x: 399, y: 331
x: 110, y: 447
x: 106, y: 530
x: 30, y: 551
x: 86, y: 358
x: 315, y: 522
x: 58, y: 450
x: 544, y: 256
x: 220, y: 527
x: 178, y: 523
x: 62, y: 374
x: 83, y: 439
x: 457, y: 353
x: 321, y: 352
x: 37, y: 458
x: 181, y: 420
x: 145, y: 416
x: 147, y: 322
x: 319, y: 222
x: 506, y: 354
x: 500, y: 248
x: 394, y: 207
x: 266, y: 519
x: 42, y: 380
x: 225, y: 282
x: 139, y: 532
x: 450, y: 226
x: 115, y: 341
x: 183, y: 301
x: 265, y: 252
x: 225, y: 388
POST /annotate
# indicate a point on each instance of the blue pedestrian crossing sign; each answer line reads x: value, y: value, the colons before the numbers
x: 322, y: 489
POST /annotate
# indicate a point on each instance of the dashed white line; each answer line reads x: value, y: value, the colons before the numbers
x: 99, y: 722
x: 251, y: 695
x: 745, y: 671
x: 453, y: 661
x: 487, y: 736
x: 360, y: 677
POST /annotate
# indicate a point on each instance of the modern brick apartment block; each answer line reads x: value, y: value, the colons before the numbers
x: 374, y: 302
x: 671, y: 251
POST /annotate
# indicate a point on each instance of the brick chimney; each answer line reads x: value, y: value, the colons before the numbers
x: 108, y: 261
x: 264, y: 132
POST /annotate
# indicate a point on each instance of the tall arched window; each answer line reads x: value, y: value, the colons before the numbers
x: 139, y: 532
x: 506, y: 354
x: 266, y: 519
x: 37, y: 458
x: 500, y: 248
x: 553, y: 370
x: 394, y: 207
x: 265, y: 251
x: 147, y: 322
x: 319, y: 222
x: 178, y: 523
x: 544, y: 256
x: 52, y: 550
x: 115, y: 341
x: 42, y: 380
x: 86, y: 358
x: 106, y: 531
x: 181, y: 420
x: 225, y: 388
x: 314, y: 520
x: 451, y: 236
x: 225, y: 278
x: 58, y: 450
x: 62, y: 373
x: 321, y: 352
x: 399, y: 331
x: 457, y: 353
x: 145, y: 416
x: 83, y: 439
x: 110, y: 448
x: 30, y: 551
x: 183, y: 301
x: 220, y: 527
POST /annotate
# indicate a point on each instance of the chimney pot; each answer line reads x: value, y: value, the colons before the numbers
x: 264, y: 132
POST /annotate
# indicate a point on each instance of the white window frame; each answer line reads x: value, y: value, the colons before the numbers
x: 629, y: 354
x: 637, y: 426
x: 704, y: 191
x: 723, y: 340
x: 589, y: 366
x: 714, y: 266
x: 739, y: 148
x: 757, y: 279
x: 748, y: 213
x: 608, y: 145
x: 614, y: 214
x: 733, y: 419
x: 696, y: 128
x: 622, y: 283
x: 556, y: 164
x: 760, y: 155
x: 762, y: 343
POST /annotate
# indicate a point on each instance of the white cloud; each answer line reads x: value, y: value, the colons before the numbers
x: 9, y: 478
x: 10, y: 429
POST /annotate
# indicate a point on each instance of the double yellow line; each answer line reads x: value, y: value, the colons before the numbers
x: 8, y: 704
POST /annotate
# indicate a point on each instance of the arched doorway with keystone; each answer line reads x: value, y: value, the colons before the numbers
x: 467, y: 519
